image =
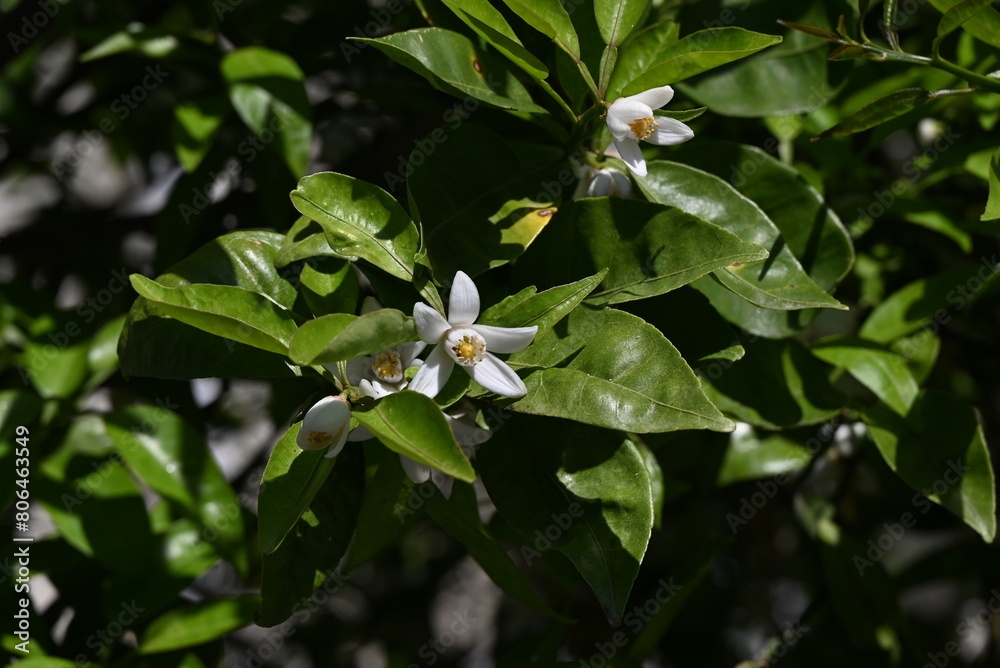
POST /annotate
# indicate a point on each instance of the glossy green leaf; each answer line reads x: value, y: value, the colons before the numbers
x: 878, y: 112
x: 452, y: 63
x: 811, y: 230
x: 881, y: 371
x: 230, y: 312
x: 697, y: 53
x: 542, y: 310
x: 618, y: 18
x: 939, y: 449
x: 779, y: 282
x: 197, y: 623
x: 459, y: 517
x: 291, y: 480
x: 308, y: 556
x: 928, y: 302
x: 595, y: 500
x: 305, y: 239
x: 984, y: 24
x: 623, y: 374
x: 360, y: 220
x: 993, y: 205
x: 959, y: 14
x: 268, y: 91
x: 641, y: 53
x: 647, y: 249
x: 778, y: 384
x: 196, y: 123
x: 750, y: 457
x: 412, y: 424
x: 170, y: 456
x: 344, y: 337
x: 458, y: 207
x: 329, y: 285
x: 490, y: 24
x: 550, y: 18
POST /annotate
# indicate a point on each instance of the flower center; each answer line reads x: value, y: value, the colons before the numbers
x: 318, y: 438
x: 465, y: 346
x: 388, y: 366
x: 643, y: 127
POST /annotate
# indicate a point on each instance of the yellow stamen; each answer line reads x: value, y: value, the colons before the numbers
x: 318, y: 437
x: 467, y: 351
x: 643, y: 127
x: 387, y: 365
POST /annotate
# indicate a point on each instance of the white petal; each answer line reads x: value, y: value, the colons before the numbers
x: 431, y: 325
x: 325, y: 423
x: 622, y: 185
x: 433, y: 373
x: 654, y: 98
x: 467, y: 433
x: 375, y: 389
x: 463, y: 304
x: 497, y: 377
x: 337, y: 446
x: 600, y: 185
x: 360, y: 433
x: 408, y: 352
x: 622, y: 113
x: 417, y: 472
x: 370, y: 305
x: 443, y: 481
x: 670, y: 131
x: 632, y: 155
x: 506, y: 339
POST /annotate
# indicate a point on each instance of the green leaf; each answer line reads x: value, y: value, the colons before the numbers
x: 305, y: 239
x: 983, y: 24
x: 459, y: 517
x: 939, y: 450
x: 881, y: 371
x: 490, y: 24
x: 778, y: 384
x: 412, y: 424
x: 542, y: 310
x: 197, y: 623
x: 928, y: 302
x: 779, y: 282
x: 360, y: 220
x: 308, y: 557
x: 750, y: 457
x: 344, y: 337
x: 592, y: 504
x: 809, y: 227
x: 959, y: 14
x: 170, y: 456
x: 993, y: 205
x: 196, y: 123
x: 232, y: 313
x: 155, y: 43
x: 389, y: 505
x: 329, y: 285
x: 465, y: 214
x: 55, y: 372
x: 291, y: 480
x: 878, y: 112
x: 622, y: 375
x: 453, y: 64
x: 697, y: 53
x: 267, y: 89
x: 647, y: 249
x: 641, y: 53
x: 550, y: 18
x: 618, y: 18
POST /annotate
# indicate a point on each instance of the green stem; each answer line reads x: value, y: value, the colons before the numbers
x: 559, y: 100
x: 980, y: 81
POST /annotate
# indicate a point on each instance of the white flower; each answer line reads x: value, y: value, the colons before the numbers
x: 609, y: 183
x: 467, y: 344
x: 326, y: 424
x: 631, y: 119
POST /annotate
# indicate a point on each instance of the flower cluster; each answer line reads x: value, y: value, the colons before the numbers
x: 457, y: 339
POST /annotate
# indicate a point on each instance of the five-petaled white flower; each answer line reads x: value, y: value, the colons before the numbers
x: 461, y: 341
x: 631, y: 119
x: 327, y: 423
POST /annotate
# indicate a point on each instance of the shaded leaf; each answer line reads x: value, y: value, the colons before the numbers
x: 878, y: 112
x: 342, y: 336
